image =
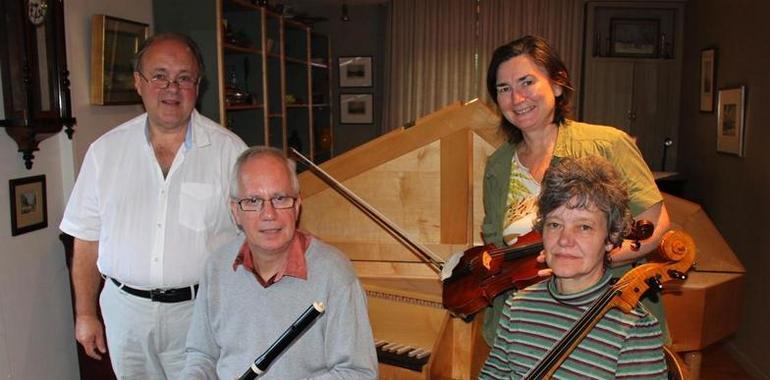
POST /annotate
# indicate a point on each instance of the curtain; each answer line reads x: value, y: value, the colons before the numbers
x: 430, y: 64
x: 438, y: 50
x: 558, y: 21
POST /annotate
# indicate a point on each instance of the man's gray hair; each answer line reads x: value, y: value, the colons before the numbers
x: 256, y: 152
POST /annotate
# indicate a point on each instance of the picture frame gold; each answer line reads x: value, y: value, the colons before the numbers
x: 731, y: 120
x: 29, y: 206
x: 114, y: 43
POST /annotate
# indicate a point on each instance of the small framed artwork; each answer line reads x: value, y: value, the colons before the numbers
x: 731, y: 120
x: 707, y: 68
x: 355, y: 71
x: 636, y: 38
x: 356, y: 109
x: 114, y: 42
x: 29, y: 208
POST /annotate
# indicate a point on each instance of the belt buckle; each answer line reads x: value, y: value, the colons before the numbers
x: 157, y: 294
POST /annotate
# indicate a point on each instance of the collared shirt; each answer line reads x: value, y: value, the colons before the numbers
x: 294, y: 266
x: 155, y: 231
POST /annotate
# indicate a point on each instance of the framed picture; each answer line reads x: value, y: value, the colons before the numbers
x: 114, y: 42
x: 731, y: 120
x: 356, y: 109
x: 707, y: 67
x: 29, y: 208
x: 636, y: 38
x: 355, y: 71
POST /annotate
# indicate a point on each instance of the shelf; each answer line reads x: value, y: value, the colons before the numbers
x: 235, y: 49
x: 296, y: 61
x: 319, y: 65
x: 239, y: 5
x: 295, y: 24
x: 241, y: 107
x: 268, y: 55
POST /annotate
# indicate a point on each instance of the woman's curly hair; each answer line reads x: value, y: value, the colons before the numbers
x: 586, y: 182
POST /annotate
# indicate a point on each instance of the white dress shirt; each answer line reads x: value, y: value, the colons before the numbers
x: 155, y: 232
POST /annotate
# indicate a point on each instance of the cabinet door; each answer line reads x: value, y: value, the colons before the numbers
x: 608, y: 93
x: 655, y: 110
x: 639, y: 97
x: 634, y: 91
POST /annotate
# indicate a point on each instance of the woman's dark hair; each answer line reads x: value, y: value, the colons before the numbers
x: 179, y: 37
x: 544, y: 56
x: 586, y: 182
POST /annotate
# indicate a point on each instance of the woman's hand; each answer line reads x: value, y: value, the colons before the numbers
x: 658, y: 215
x: 547, y: 272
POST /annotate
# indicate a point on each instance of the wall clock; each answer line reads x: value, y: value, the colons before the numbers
x: 36, y: 11
x: 33, y: 72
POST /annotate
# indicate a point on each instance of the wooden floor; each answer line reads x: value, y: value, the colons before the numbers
x: 719, y: 364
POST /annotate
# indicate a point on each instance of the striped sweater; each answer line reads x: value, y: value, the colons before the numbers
x: 620, y: 346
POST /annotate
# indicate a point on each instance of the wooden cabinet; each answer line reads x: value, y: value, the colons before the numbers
x: 632, y: 78
x: 267, y: 76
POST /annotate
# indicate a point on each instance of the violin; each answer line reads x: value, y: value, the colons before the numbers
x: 677, y: 255
x: 485, y: 272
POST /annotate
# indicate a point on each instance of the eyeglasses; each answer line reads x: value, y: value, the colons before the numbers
x: 161, y: 82
x: 257, y: 204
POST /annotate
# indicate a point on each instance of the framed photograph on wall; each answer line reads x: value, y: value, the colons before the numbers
x: 731, y: 120
x: 355, y: 71
x: 29, y: 207
x: 356, y: 109
x: 114, y: 42
x: 637, y: 38
x: 707, y: 69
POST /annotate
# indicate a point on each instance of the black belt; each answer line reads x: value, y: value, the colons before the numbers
x: 161, y: 295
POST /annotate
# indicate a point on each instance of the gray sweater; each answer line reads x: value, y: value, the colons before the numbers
x: 235, y: 320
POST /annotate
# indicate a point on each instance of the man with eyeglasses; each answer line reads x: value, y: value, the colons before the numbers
x: 257, y: 286
x: 148, y: 208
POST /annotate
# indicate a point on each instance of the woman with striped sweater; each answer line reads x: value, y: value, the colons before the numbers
x: 582, y: 214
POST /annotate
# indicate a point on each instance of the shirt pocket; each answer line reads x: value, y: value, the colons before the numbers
x: 196, y: 200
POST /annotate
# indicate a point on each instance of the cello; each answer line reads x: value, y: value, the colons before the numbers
x: 677, y: 251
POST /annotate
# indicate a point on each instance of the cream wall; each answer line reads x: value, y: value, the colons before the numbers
x: 36, y: 334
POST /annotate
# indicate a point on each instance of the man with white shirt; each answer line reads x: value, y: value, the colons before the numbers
x: 148, y: 207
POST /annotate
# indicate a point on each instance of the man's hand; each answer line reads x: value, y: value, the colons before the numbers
x: 90, y: 333
x: 547, y: 272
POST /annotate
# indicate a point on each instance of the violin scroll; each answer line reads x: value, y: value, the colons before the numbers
x: 641, y: 230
